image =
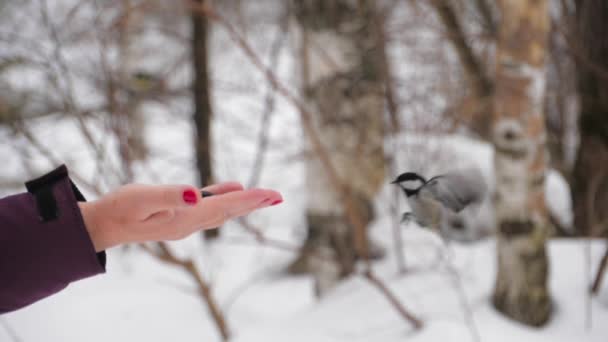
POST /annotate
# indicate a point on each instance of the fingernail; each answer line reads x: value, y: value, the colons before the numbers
x: 190, y: 197
x: 277, y: 202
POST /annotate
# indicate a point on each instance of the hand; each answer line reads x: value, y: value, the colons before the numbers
x: 138, y: 213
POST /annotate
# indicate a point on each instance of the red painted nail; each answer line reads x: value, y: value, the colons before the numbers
x: 277, y: 202
x: 190, y: 197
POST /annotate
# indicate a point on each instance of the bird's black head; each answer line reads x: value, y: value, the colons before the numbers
x: 410, y: 182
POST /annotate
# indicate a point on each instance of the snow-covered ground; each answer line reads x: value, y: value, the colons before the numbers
x: 140, y: 299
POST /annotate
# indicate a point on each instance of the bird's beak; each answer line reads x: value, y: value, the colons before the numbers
x: 394, y: 182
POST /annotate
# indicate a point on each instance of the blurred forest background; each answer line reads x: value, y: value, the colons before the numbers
x: 327, y: 102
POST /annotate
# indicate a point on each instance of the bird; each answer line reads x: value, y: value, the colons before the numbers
x: 440, y: 202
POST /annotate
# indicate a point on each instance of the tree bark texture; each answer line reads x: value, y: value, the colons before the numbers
x: 590, y: 176
x: 202, y: 101
x: 474, y: 109
x: 520, y: 160
x: 344, y: 85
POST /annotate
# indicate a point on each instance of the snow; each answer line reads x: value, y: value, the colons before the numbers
x: 141, y: 299
x: 558, y: 198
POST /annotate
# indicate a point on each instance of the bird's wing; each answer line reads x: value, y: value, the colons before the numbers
x: 456, y: 190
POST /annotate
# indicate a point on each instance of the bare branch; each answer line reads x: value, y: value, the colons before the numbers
x: 574, y: 49
x: 596, y: 225
x: 462, y: 296
x: 600, y: 273
x: 164, y: 254
x: 269, y: 106
x: 369, y: 275
x: 48, y: 154
x: 395, y: 127
x: 593, y: 189
x: 264, y: 240
x: 480, y: 82
x: 485, y: 10
x: 10, y: 331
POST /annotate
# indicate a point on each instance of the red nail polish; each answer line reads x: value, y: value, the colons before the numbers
x: 190, y: 197
x: 277, y: 202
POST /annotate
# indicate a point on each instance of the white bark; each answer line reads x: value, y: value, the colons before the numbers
x: 343, y: 86
x: 520, y: 162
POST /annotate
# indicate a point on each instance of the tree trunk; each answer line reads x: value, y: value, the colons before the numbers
x: 590, y: 176
x: 520, y: 160
x: 343, y: 83
x: 202, y: 101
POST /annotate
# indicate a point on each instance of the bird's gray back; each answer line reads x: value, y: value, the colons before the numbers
x: 458, y: 189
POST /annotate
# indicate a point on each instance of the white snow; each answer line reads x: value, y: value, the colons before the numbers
x: 142, y: 299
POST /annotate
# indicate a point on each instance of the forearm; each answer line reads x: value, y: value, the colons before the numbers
x: 40, y: 256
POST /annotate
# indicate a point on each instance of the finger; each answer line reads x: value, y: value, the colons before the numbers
x: 223, y: 188
x: 213, y: 211
x: 235, y: 202
x: 155, y: 198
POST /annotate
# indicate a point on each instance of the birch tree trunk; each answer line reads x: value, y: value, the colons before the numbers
x: 520, y: 162
x: 342, y: 82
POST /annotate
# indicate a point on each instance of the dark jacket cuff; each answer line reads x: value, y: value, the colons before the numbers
x: 44, y: 244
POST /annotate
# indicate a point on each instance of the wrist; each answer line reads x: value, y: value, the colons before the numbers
x: 87, y: 209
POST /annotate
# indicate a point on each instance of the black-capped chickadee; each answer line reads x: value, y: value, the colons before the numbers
x: 438, y: 202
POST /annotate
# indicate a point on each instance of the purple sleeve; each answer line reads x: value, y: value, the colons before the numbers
x: 44, y: 244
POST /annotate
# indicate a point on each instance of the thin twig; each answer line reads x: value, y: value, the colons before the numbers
x: 595, y: 224
x: 48, y: 154
x: 269, y: 106
x: 278, y: 244
x: 473, y: 67
x: 588, y: 280
x: 416, y: 322
x: 600, y: 273
x: 575, y: 51
x: 67, y: 94
x: 489, y: 22
x: 464, y: 302
x: 393, y: 131
x: 164, y: 254
x: 10, y: 331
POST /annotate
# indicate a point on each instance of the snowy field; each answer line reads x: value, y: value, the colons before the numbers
x: 140, y: 299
